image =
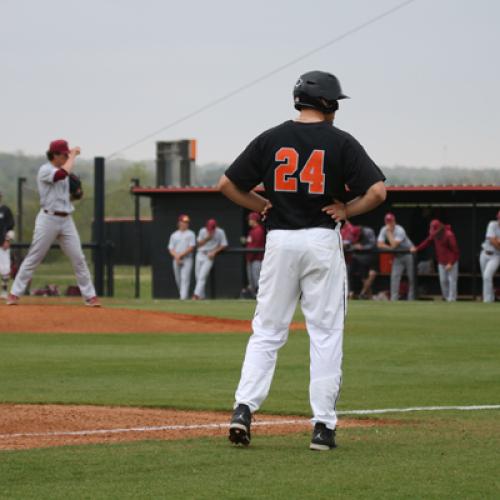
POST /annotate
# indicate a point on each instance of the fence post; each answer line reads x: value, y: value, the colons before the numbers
x: 99, y: 230
x: 20, y: 216
x: 110, y: 270
x: 138, y: 240
x: 415, y: 274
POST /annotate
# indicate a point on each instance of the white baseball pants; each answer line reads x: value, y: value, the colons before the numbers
x: 305, y: 264
x: 399, y: 264
x: 489, y: 265
x: 4, y: 262
x: 448, y: 280
x: 182, y: 274
x: 202, y: 269
x: 253, y: 273
x: 49, y: 228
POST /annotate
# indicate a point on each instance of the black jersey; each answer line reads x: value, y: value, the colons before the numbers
x: 6, y: 222
x: 304, y: 167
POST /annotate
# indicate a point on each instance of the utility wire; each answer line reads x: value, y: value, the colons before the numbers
x: 252, y: 83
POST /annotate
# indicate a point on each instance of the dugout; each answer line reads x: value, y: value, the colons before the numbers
x: 467, y: 208
x: 120, y: 232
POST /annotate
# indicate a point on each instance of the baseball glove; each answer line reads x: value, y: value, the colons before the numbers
x: 75, y: 187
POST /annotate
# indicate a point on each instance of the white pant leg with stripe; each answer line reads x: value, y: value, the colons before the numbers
x: 308, y: 262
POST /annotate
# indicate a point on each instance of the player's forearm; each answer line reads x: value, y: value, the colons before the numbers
x: 249, y: 200
x: 393, y: 243
x: 219, y: 250
x: 186, y: 252
x: 423, y: 245
x: 70, y: 162
x: 495, y: 242
x: 375, y: 195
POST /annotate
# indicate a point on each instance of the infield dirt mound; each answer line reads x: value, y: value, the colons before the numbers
x: 36, y: 318
x: 42, y: 426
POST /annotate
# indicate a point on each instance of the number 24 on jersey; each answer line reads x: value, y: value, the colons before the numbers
x: 312, y: 173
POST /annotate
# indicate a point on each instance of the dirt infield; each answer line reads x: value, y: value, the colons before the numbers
x: 37, y: 318
x: 42, y: 426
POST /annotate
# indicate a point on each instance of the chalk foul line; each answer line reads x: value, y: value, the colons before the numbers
x: 262, y: 423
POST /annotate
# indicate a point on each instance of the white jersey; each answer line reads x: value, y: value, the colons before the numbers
x: 54, y: 196
x: 180, y: 241
x: 492, y: 231
x: 218, y: 239
x: 399, y: 234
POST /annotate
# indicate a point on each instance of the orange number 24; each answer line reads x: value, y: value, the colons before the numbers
x: 312, y: 173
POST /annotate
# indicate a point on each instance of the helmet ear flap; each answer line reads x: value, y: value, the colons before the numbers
x: 320, y: 104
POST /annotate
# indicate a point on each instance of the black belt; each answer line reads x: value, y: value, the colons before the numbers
x: 487, y: 252
x: 59, y: 214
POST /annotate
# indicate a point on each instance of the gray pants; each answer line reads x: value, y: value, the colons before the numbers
x: 182, y: 274
x: 201, y: 271
x: 49, y: 228
x: 448, y: 281
x: 253, y: 273
x: 489, y: 265
x: 399, y: 265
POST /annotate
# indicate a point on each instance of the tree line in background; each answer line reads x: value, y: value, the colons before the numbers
x: 120, y: 203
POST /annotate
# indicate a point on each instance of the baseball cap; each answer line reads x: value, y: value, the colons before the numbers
x: 211, y: 224
x: 355, y: 233
x: 254, y: 216
x: 184, y: 218
x: 389, y: 217
x: 59, y: 146
x: 434, y: 226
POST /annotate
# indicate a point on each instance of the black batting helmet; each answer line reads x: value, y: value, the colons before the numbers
x: 318, y: 90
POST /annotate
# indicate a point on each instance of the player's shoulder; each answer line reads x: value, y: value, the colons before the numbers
x: 345, y: 138
x: 46, y: 166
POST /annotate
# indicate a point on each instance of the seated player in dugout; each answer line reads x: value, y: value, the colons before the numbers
x: 315, y: 176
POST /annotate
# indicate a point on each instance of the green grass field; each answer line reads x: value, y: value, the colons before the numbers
x: 396, y: 355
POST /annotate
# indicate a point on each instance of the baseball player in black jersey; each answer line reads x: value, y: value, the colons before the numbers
x: 315, y: 176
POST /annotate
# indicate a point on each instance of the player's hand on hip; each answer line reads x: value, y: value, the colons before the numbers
x: 266, y: 209
x: 337, y: 211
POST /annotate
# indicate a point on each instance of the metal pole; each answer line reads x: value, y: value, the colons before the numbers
x: 474, y: 239
x: 138, y: 240
x: 20, y: 182
x: 99, y: 233
x: 110, y: 274
x: 415, y: 274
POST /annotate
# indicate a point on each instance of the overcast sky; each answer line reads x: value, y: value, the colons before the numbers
x: 424, y: 81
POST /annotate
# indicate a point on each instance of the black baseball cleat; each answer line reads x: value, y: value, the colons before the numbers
x: 323, y: 438
x: 239, y: 428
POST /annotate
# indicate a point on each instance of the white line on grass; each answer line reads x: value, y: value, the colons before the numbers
x: 419, y: 408
x: 263, y: 423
